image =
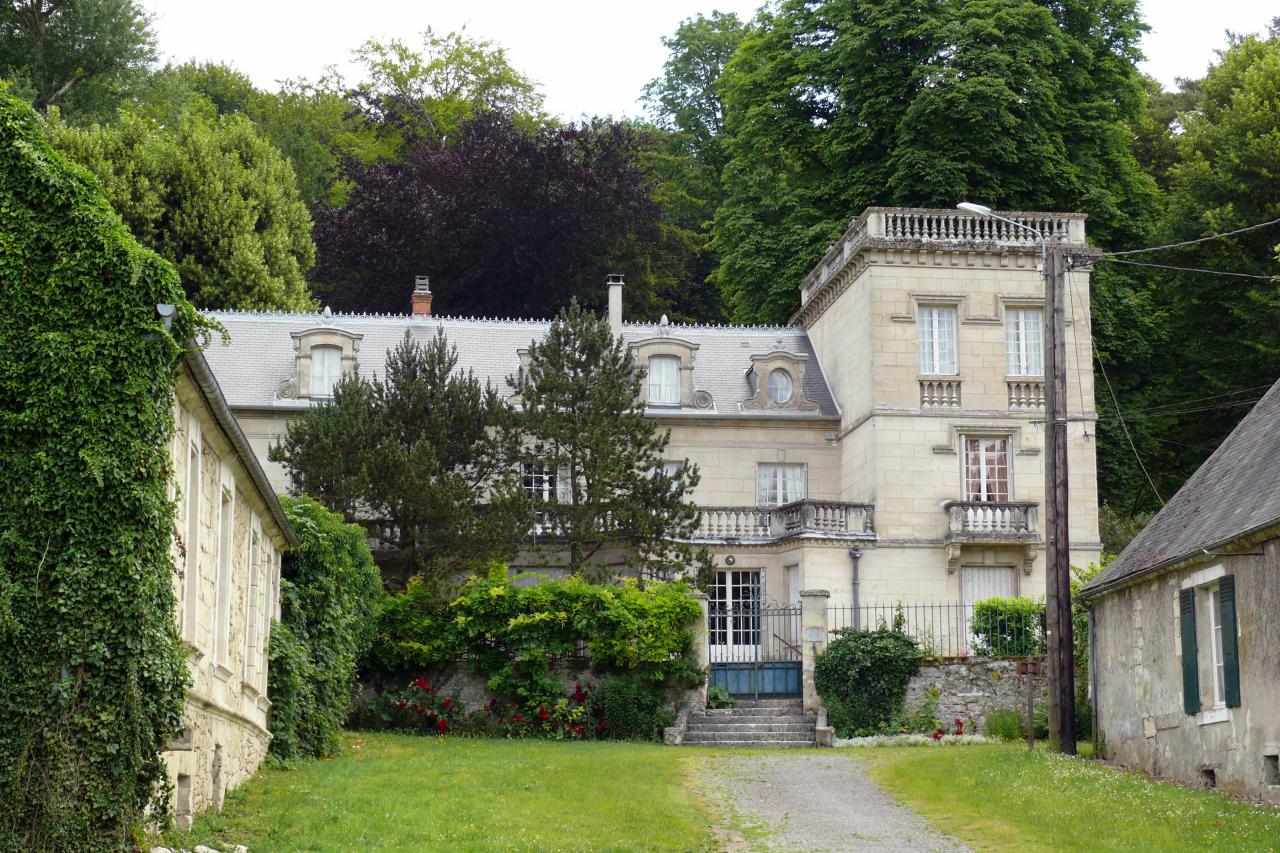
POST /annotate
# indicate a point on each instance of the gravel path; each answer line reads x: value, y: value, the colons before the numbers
x: 811, y: 800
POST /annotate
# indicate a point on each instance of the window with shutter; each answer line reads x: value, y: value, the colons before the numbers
x: 1230, y: 648
x: 1190, y: 667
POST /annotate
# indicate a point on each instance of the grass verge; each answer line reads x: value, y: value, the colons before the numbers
x: 1006, y: 798
x: 402, y: 792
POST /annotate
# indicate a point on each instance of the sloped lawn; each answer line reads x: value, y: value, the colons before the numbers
x: 399, y: 792
x: 1005, y: 798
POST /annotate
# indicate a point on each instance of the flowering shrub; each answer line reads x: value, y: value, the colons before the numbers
x: 945, y: 730
x: 422, y: 708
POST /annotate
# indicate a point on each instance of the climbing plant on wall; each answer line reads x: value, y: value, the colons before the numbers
x: 92, y: 676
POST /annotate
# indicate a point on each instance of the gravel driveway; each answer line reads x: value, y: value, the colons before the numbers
x: 811, y: 800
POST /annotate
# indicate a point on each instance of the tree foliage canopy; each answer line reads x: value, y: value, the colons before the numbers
x: 81, y: 55
x: 211, y: 196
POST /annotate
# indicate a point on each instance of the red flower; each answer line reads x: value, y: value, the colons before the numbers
x: 937, y: 735
x: 442, y: 725
x: 542, y: 712
x: 400, y: 704
x: 519, y: 719
x: 446, y: 703
x: 959, y: 723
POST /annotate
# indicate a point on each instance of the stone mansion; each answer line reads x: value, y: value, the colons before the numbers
x: 886, y: 445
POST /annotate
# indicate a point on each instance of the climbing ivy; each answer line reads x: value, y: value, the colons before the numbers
x: 92, y: 675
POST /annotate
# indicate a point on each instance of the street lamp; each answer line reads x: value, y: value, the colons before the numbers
x: 1062, y: 711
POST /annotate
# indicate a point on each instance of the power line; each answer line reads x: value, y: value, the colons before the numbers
x: 1180, y: 403
x: 1125, y: 427
x: 1191, y: 242
x: 1184, y: 411
x: 1189, y: 269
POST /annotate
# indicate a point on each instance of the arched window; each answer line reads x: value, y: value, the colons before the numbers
x: 664, y: 380
x: 326, y: 368
x: 780, y: 387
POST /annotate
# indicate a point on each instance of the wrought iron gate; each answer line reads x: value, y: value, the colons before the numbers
x: 754, y: 648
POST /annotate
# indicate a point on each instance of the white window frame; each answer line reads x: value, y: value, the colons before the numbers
x: 191, y: 568
x: 987, y: 491
x: 1217, y: 665
x: 252, y: 593
x: 936, y: 331
x: 543, y: 484
x: 326, y: 370
x: 734, y: 629
x: 781, y: 483
x: 664, y: 384
x: 1024, y: 337
x: 222, y: 591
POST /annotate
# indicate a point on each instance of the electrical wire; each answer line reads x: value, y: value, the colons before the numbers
x: 1181, y: 403
x: 1185, y: 411
x: 1188, y: 269
x: 1123, y: 426
x: 1192, y: 242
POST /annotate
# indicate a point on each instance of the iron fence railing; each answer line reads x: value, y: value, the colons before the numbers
x: 990, y: 628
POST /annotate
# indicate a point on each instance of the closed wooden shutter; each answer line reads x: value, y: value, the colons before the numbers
x: 1230, y: 650
x: 1190, y: 670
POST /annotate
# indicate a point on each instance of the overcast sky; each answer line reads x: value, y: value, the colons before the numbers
x: 591, y: 57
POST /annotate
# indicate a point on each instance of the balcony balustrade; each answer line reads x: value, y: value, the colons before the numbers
x: 991, y: 523
x: 1026, y: 394
x: 812, y: 518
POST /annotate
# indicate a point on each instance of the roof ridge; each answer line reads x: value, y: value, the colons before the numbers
x: 522, y: 321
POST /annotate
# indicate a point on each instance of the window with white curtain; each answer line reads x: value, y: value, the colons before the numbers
x: 937, y: 327
x: 1024, y: 331
x: 545, y: 483
x: 326, y: 368
x: 779, y: 483
x: 780, y: 387
x: 986, y: 469
x: 664, y: 379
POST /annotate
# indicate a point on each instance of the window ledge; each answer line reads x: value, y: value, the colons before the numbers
x: 221, y: 672
x: 1213, y: 715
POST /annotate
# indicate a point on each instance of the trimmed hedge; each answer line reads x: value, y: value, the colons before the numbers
x: 92, y: 675
x: 1008, y: 627
x: 329, y: 587
x: 862, y: 677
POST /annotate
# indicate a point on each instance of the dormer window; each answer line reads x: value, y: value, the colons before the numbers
x: 780, y: 387
x: 664, y: 380
x: 326, y: 369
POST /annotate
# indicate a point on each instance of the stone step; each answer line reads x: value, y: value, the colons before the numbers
x: 755, y: 744
x: 764, y: 724
x: 718, y: 738
x: 756, y: 711
x: 769, y: 703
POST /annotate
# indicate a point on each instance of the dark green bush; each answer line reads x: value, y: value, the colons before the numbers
x: 329, y: 586
x: 1008, y: 627
x: 1004, y: 723
x: 862, y: 677
x: 92, y: 675
x: 632, y: 709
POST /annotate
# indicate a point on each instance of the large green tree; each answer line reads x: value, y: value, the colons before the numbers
x: 833, y: 106
x: 77, y: 54
x: 210, y: 195
x: 595, y: 462
x: 425, y: 458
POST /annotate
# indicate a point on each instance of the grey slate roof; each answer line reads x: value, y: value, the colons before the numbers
x: 1235, y: 492
x: 261, y: 356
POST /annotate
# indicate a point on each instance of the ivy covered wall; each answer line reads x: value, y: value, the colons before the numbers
x: 92, y: 675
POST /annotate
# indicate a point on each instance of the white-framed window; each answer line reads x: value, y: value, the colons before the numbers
x: 673, y: 470
x: 986, y: 469
x: 1024, y: 333
x: 547, y: 483
x: 252, y: 611
x: 222, y: 609
x: 664, y: 380
x: 937, y: 327
x: 780, y: 386
x: 1215, y: 639
x: 191, y: 568
x: 326, y: 369
x: 779, y: 483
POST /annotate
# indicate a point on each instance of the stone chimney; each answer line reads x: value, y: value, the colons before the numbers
x: 421, y: 299
x: 614, y: 282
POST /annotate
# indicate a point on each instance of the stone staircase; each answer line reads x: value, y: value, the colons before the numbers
x: 753, y: 722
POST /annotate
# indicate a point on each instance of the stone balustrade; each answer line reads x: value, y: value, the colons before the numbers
x: 940, y: 392
x: 829, y: 519
x: 1026, y: 394
x: 982, y: 518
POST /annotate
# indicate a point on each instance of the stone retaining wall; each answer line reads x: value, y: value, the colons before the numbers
x: 969, y: 687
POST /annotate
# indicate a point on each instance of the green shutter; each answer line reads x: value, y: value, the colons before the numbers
x: 1190, y: 667
x: 1230, y: 651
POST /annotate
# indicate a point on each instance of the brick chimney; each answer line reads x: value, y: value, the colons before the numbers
x: 614, y: 282
x: 421, y: 299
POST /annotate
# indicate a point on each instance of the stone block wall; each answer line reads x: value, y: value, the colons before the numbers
x: 970, y: 687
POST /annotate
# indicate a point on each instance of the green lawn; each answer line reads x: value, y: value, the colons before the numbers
x: 399, y: 792
x: 1005, y: 798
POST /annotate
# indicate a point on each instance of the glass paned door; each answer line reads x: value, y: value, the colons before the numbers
x: 986, y: 469
x: 734, y: 617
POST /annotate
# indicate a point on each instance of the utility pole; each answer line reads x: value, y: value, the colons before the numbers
x: 1058, y: 623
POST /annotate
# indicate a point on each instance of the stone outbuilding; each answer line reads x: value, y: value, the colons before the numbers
x: 230, y: 531
x: 1185, y: 653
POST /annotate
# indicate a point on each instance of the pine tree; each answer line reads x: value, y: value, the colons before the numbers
x: 424, y: 459
x: 600, y: 460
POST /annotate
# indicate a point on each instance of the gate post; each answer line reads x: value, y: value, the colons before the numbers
x: 813, y: 623
x: 701, y: 651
